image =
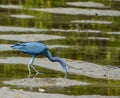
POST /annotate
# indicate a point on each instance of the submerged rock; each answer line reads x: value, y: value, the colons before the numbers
x: 41, y: 90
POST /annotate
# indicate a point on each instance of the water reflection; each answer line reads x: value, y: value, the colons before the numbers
x: 94, y: 37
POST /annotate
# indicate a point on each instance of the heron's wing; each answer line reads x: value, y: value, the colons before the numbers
x: 18, y: 46
x: 32, y: 48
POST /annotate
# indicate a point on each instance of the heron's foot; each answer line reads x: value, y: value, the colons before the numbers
x: 66, y: 76
x: 37, y: 73
x: 29, y: 76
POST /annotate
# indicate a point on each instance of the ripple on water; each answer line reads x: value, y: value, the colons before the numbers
x: 10, y: 6
x: 87, y: 4
x: 99, y: 38
x: 22, y: 29
x: 79, y: 11
x: 21, y: 16
x: 30, y: 37
x: 44, y: 82
x: 91, y: 21
x: 72, y: 11
x: 114, y: 33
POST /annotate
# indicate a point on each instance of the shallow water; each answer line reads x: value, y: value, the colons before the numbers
x: 93, y: 42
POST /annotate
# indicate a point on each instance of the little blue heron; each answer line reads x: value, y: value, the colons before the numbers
x: 36, y: 48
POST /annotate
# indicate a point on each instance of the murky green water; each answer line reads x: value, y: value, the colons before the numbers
x: 98, y: 46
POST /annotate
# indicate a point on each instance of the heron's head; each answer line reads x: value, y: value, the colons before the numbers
x: 65, y: 70
x: 64, y: 66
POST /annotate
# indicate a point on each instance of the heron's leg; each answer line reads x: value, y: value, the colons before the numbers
x: 32, y: 60
x: 37, y: 72
x: 29, y: 70
x: 65, y: 76
x: 66, y: 73
x: 30, y: 65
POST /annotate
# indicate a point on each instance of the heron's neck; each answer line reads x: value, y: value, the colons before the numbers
x: 57, y: 59
x: 54, y: 59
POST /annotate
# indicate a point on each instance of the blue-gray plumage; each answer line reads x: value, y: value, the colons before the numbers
x: 34, y: 49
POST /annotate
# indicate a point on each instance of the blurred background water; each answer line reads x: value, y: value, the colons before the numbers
x: 91, y: 29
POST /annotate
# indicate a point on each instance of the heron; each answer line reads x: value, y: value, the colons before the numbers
x: 37, y: 48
